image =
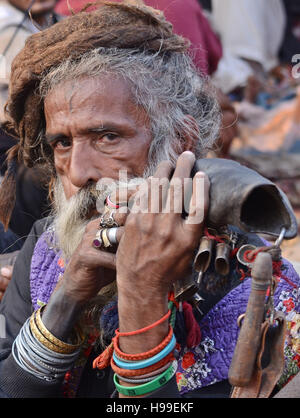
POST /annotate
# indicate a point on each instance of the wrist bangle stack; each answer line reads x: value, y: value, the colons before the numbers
x: 131, y: 365
x: 148, y: 354
x: 39, y: 360
x: 149, y: 370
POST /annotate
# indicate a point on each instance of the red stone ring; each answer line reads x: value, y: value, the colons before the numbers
x: 97, y: 242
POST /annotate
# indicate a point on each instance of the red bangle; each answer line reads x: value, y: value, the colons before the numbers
x: 145, y: 355
x: 142, y: 330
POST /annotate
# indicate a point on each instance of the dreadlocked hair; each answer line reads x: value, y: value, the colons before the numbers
x: 128, y: 32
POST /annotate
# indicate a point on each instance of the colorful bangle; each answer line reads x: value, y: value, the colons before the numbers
x: 140, y: 372
x: 147, y: 362
x: 147, y: 354
x: 152, y: 374
x: 137, y: 381
x: 146, y: 388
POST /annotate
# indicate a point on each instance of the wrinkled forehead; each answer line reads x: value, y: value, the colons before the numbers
x: 103, y: 98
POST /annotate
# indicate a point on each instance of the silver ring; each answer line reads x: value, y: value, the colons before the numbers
x: 112, y: 235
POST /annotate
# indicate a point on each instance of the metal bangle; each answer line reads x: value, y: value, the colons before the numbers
x: 29, y: 365
x: 68, y: 347
x: 28, y: 354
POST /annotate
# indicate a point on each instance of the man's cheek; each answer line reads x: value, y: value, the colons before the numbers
x: 69, y: 188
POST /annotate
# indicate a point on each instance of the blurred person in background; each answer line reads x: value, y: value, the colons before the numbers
x: 251, y: 33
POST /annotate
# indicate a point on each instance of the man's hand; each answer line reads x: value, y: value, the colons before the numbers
x: 158, y: 246
x: 156, y: 250
x: 88, y: 270
x: 5, y: 277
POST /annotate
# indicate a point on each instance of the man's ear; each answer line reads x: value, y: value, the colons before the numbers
x: 190, y: 137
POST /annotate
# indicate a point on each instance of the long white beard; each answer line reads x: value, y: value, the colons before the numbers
x: 71, y: 217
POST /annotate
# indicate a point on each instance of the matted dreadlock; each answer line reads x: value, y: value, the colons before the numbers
x: 129, y: 25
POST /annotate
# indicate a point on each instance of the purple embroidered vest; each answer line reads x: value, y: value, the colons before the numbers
x: 46, y: 268
x: 209, y: 362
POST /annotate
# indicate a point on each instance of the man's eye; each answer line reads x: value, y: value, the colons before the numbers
x: 109, y: 137
x: 62, y: 143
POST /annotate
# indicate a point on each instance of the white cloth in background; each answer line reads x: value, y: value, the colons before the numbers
x: 11, y: 20
x: 14, y: 30
x: 249, y: 30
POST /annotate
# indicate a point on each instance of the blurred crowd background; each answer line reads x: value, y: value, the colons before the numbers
x: 251, y: 51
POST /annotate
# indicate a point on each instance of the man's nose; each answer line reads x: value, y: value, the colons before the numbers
x: 83, y: 166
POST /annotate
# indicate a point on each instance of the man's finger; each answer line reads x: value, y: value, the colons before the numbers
x: 153, y: 191
x: 199, y: 202
x: 179, y: 190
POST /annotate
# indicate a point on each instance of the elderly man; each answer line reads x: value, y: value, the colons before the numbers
x: 101, y: 94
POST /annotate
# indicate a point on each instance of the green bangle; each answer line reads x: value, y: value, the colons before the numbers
x: 156, y: 383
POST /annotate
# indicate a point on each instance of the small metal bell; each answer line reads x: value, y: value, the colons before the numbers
x: 203, y: 257
x: 222, y: 258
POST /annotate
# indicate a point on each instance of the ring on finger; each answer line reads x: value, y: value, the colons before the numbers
x: 97, y: 242
x: 112, y: 235
x: 105, y: 239
x: 108, y: 222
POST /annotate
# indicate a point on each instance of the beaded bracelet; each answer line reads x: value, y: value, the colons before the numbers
x: 146, y: 388
x: 130, y: 365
